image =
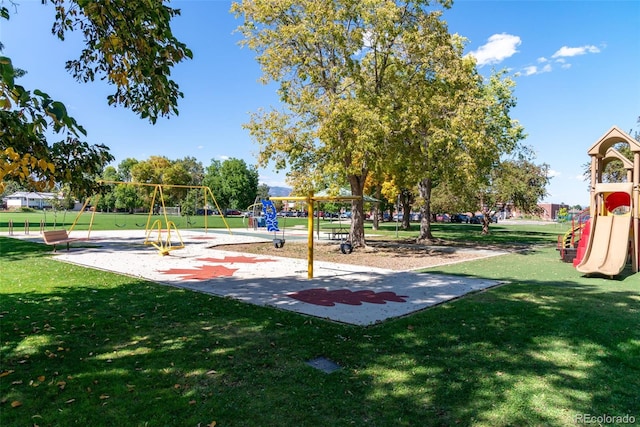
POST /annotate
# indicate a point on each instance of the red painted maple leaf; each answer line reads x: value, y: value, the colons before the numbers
x: 203, y: 272
x: 236, y: 259
x: 328, y: 298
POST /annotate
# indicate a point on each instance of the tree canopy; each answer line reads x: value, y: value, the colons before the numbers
x: 127, y: 43
x: 233, y: 182
x: 375, y: 88
x: 337, y: 64
x: 27, y: 156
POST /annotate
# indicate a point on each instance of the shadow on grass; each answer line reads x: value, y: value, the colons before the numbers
x: 16, y: 249
x: 104, y: 349
x: 539, y: 353
x: 498, y: 234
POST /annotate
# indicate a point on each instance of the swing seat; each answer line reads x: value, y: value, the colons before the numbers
x: 346, y: 248
x: 163, y: 244
x: 278, y: 243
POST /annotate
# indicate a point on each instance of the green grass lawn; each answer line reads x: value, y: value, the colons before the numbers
x: 529, y: 234
x: 87, y: 347
x: 106, y: 221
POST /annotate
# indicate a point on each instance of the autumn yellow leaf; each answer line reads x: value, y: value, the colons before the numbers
x: 5, y: 373
x: 16, y: 403
x: 41, y: 378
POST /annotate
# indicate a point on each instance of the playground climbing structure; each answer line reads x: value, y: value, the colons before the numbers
x: 612, y: 236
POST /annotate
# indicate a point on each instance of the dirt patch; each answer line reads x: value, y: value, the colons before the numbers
x: 393, y: 255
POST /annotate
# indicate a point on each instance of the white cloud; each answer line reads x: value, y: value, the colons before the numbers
x: 498, y: 48
x: 551, y: 173
x: 223, y: 157
x: 566, y: 51
x: 559, y: 58
x: 532, y: 69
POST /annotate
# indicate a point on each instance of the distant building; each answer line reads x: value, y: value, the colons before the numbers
x: 29, y: 199
x: 549, y: 211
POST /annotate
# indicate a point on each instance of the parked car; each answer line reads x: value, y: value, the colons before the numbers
x: 330, y: 215
x: 478, y: 219
x: 206, y: 211
x: 460, y: 218
x: 443, y: 218
x: 232, y: 212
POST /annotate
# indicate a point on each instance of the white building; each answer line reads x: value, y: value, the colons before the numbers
x: 30, y: 199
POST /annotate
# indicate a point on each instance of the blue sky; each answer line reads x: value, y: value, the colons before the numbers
x: 576, y: 65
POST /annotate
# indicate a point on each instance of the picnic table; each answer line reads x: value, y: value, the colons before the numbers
x: 338, y: 233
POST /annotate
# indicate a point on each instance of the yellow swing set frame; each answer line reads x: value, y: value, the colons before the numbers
x: 165, y: 237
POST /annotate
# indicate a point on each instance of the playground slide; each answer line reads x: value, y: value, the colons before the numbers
x: 608, y: 247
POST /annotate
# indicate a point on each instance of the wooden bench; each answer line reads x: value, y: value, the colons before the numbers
x: 56, y: 237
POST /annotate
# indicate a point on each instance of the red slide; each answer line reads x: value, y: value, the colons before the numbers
x: 582, y: 244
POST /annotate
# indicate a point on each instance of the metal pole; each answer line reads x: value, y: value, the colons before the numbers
x: 310, y: 236
x: 397, y: 215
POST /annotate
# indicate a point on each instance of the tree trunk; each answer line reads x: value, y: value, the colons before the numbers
x: 424, y: 188
x: 486, y: 218
x: 357, y: 211
x: 377, y: 214
x: 406, y: 216
x: 486, y: 215
x: 406, y: 199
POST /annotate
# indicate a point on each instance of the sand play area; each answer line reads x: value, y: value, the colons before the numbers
x: 341, y: 292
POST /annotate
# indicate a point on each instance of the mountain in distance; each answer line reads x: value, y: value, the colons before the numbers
x: 279, y: 191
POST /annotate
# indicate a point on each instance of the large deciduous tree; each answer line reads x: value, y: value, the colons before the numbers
x: 131, y: 45
x: 233, y: 183
x: 516, y: 182
x: 337, y: 63
x: 521, y: 183
x: 26, y: 156
x: 127, y: 43
x: 462, y: 126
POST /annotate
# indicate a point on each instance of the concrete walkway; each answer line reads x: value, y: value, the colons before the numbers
x: 358, y: 295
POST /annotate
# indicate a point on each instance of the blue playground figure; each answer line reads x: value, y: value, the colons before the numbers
x: 271, y: 220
